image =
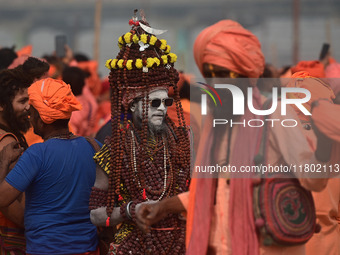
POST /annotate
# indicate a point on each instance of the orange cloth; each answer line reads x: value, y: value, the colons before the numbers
x: 53, y: 99
x: 32, y: 138
x: 229, y: 45
x: 314, y: 67
x: 317, y: 88
x: 331, y: 60
x: 285, y: 146
x: 326, y: 117
x: 327, y: 203
x: 93, y: 80
x: 26, y: 50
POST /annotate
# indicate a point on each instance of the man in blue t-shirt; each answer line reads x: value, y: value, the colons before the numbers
x: 56, y: 176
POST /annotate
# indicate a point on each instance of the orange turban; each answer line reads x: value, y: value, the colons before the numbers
x: 315, y: 68
x: 318, y: 89
x: 26, y: 50
x: 229, y: 45
x: 53, y: 99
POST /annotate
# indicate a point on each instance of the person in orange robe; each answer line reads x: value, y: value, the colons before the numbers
x: 318, y: 89
x: 327, y: 201
x: 220, y: 216
x: 326, y: 117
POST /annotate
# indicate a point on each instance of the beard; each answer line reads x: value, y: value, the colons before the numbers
x: 17, y: 124
x: 157, y: 130
x: 153, y: 130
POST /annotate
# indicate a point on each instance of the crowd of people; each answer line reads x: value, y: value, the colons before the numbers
x: 92, y: 165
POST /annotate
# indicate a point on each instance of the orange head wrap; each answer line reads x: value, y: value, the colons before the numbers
x: 315, y: 68
x: 53, y: 99
x: 26, y: 50
x: 229, y: 45
x: 318, y: 89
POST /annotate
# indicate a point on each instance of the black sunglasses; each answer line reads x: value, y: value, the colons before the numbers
x: 157, y: 102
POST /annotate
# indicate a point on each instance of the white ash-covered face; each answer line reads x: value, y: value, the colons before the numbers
x: 159, y: 102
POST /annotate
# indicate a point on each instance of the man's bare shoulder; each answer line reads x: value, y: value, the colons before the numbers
x: 6, y: 139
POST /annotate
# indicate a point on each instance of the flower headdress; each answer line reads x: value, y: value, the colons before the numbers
x: 144, y: 61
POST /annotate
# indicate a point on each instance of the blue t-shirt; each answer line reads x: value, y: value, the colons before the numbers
x: 57, y: 176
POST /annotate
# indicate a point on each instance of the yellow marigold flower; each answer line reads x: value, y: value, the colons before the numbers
x: 139, y: 63
x: 129, y: 64
x: 120, y: 63
x: 150, y: 62
x: 135, y: 38
x: 153, y: 40
x: 163, y: 45
x: 114, y: 63
x: 168, y: 48
x: 157, y: 61
x: 120, y: 40
x: 165, y: 59
x: 127, y: 37
x: 173, y: 57
x: 144, y: 38
x: 107, y: 63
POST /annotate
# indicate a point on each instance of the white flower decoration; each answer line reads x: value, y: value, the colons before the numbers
x: 142, y: 46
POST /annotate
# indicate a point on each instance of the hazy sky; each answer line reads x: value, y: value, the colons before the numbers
x: 37, y: 22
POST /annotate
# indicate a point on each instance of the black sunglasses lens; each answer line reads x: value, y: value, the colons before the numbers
x: 156, y: 102
x: 168, y: 101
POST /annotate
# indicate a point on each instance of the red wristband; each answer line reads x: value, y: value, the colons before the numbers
x: 107, y: 222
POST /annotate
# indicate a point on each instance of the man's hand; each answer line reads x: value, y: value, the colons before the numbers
x: 148, y: 214
x: 10, y: 154
x: 98, y: 216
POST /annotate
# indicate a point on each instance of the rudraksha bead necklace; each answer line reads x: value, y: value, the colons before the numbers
x: 136, y: 171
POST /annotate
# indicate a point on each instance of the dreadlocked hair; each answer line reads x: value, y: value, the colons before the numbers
x: 15, y: 80
x: 143, y: 64
x: 19, y: 78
